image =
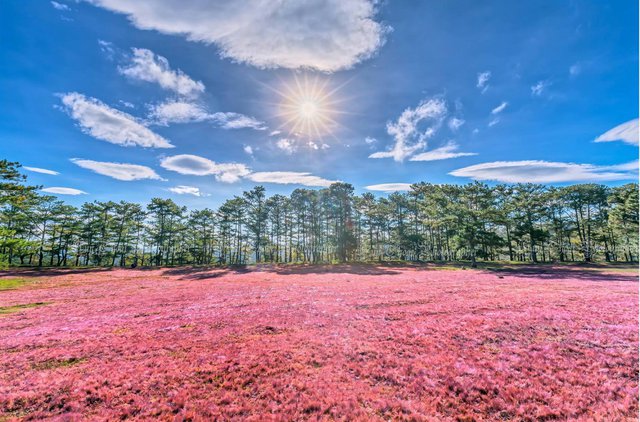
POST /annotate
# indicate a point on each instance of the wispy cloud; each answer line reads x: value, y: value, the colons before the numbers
x: 146, y: 66
x: 63, y: 191
x: 327, y: 35
x: 389, y: 187
x: 500, y: 108
x: 186, y: 190
x: 289, y: 177
x: 199, y: 166
x: 536, y: 171
x: 626, y: 132
x: 450, y: 150
x: 181, y: 111
x: 40, y: 170
x: 248, y: 149
x: 406, y: 131
x: 483, y: 81
x: 493, y: 122
x: 287, y: 145
x: 455, y: 123
x: 229, y: 120
x: 60, y: 6
x: 108, y: 124
x: 118, y: 171
x: 575, y: 69
x: 538, y: 89
x: 107, y: 48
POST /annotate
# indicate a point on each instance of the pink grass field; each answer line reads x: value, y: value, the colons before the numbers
x: 321, y: 343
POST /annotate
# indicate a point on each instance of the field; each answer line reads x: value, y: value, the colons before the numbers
x: 358, y: 342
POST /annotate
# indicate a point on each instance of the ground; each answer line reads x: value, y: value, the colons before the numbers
x: 360, y: 342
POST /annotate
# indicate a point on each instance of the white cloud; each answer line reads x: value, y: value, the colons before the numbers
x: 148, y: 67
x: 176, y: 111
x: 289, y: 177
x: 626, y: 132
x: 445, y: 152
x: 40, y: 170
x: 406, y: 131
x: 455, y: 123
x: 200, y: 166
x: 179, y: 111
x: 483, y: 81
x: 108, y: 124
x: 63, y: 191
x: 275, y: 133
x: 538, y: 89
x: 127, y: 104
x: 107, y: 48
x: 118, y: 171
x: 248, y: 149
x: 325, y: 35
x: 500, y: 108
x: 390, y: 187
x: 59, y: 6
x: 230, y: 120
x: 575, y: 69
x: 369, y: 140
x: 287, y: 145
x: 547, y: 172
x: 189, y: 164
x: 186, y: 190
x: 494, y: 122
x: 231, y: 172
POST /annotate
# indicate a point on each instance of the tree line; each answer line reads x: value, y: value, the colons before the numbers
x: 520, y: 222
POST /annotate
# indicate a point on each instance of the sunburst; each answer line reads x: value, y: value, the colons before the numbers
x: 308, y: 107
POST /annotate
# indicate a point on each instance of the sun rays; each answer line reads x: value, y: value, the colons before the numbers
x: 308, y: 107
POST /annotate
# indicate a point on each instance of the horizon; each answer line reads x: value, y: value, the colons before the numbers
x: 376, y: 95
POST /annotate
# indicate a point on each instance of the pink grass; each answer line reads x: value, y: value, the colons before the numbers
x: 322, y: 343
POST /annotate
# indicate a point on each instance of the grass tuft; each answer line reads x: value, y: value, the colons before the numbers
x: 17, y: 308
x: 12, y: 283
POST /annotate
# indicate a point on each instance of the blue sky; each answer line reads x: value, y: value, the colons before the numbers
x: 198, y: 103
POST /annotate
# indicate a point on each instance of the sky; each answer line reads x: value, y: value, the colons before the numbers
x: 199, y: 100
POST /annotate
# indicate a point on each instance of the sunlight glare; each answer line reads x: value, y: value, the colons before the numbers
x: 307, y: 107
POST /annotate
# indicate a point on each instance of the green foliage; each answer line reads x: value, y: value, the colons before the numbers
x: 522, y: 222
x: 17, y: 308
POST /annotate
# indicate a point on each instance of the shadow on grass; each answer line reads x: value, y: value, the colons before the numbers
x: 49, y: 271
x: 579, y: 272
x: 202, y: 273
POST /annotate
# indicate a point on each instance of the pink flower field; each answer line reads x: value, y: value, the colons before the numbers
x: 320, y: 343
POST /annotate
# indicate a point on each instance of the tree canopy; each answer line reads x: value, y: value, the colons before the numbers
x: 521, y: 222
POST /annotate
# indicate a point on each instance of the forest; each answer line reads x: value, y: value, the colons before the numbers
x: 521, y: 222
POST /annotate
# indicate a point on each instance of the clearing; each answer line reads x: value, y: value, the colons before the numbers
x: 326, y: 342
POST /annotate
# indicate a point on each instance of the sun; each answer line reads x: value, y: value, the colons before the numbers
x: 308, y: 107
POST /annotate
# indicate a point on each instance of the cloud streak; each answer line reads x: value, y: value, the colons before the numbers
x: 56, y: 190
x: 290, y: 177
x: 118, y: 171
x: 102, y: 122
x: 41, y: 170
x: 537, y: 171
x: 445, y: 152
x: 186, y: 190
x: 500, y: 108
x: 180, y: 111
x: 626, y: 132
x: 389, y: 187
